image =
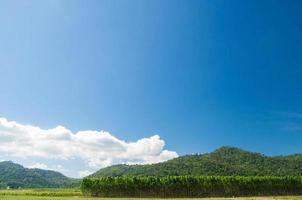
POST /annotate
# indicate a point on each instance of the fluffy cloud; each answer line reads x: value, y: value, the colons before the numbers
x: 96, y: 148
x: 84, y: 173
x: 38, y: 166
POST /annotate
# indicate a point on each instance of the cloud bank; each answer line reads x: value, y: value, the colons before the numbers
x: 96, y: 148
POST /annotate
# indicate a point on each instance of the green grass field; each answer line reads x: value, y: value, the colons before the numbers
x: 73, y: 194
x: 41, y: 192
x: 84, y: 198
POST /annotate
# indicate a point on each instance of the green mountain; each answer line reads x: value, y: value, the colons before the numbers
x: 226, y: 161
x: 15, y: 176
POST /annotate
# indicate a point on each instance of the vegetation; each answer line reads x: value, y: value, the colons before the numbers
x: 41, y: 192
x: 226, y: 161
x: 191, y: 186
x: 16, y: 176
x: 83, y: 198
x: 70, y: 194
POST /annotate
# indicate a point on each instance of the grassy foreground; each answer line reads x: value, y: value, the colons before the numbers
x: 84, y: 198
x: 73, y: 194
x: 41, y: 192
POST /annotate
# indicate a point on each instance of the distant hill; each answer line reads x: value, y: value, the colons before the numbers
x: 226, y: 161
x: 15, y: 176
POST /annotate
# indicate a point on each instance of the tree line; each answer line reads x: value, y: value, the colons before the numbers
x: 191, y: 186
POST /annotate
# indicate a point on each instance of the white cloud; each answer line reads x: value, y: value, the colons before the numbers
x: 84, y: 173
x: 96, y: 148
x: 38, y: 166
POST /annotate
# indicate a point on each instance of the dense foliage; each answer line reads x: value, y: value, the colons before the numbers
x: 191, y: 186
x: 226, y: 161
x: 16, y: 176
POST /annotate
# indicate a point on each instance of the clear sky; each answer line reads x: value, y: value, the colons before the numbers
x: 200, y: 74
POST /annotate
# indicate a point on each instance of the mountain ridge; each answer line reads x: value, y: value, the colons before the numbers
x: 14, y: 175
x: 225, y: 161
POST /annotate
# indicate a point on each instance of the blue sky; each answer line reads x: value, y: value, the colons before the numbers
x: 200, y: 74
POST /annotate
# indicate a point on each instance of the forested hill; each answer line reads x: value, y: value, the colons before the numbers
x: 15, y: 176
x: 226, y: 161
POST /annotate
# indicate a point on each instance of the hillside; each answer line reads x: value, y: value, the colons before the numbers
x: 226, y: 161
x: 15, y: 176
